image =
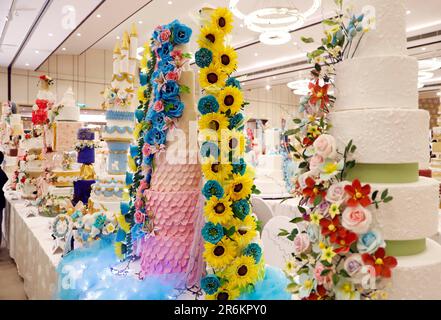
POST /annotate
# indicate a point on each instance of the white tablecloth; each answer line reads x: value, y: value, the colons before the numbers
x: 30, y: 245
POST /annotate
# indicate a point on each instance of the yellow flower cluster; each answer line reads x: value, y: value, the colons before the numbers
x: 229, y: 206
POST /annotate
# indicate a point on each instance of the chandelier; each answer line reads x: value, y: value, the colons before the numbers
x: 274, y: 23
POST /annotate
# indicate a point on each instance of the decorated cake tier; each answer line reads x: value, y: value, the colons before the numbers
x: 64, y: 178
x: 110, y: 188
x: 34, y: 143
x: 118, y: 153
x: 63, y: 133
x: 40, y: 112
x: 85, y: 134
x: 174, y: 250
x: 355, y: 85
x: 69, y: 110
x: 118, y: 132
x: 377, y: 132
x: 86, y: 155
x: 61, y: 191
x: 413, y: 213
x: 418, y: 277
x: 16, y: 125
x: 29, y: 190
x: 105, y: 206
x: 82, y: 190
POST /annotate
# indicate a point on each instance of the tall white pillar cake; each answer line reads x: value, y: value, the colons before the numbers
x: 377, y: 107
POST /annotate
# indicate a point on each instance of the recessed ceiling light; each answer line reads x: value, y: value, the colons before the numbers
x: 408, y: 12
x: 50, y: 34
x: 268, y: 87
x: 63, y: 49
x: 274, y: 77
x: 98, y: 15
x: 78, y: 34
x: 170, y: 2
x: 256, y: 54
x: 140, y: 22
x: 37, y: 52
x: 118, y: 37
x: 438, y: 94
x: 27, y: 64
x: 241, y: 25
x: 424, y: 48
x: 295, y: 43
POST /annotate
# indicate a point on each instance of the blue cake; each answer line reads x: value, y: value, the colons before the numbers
x: 117, y: 163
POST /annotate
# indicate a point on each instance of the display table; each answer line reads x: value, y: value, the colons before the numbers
x: 30, y: 245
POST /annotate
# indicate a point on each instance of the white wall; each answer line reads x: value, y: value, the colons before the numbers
x: 88, y: 75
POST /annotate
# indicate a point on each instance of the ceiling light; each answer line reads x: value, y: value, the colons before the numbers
x: 170, y: 2
x: 268, y: 87
x: 78, y: 34
x: 6, y: 18
x: 275, y: 37
x: 37, y: 52
x: 98, y: 15
x: 27, y: 64
x: 438, y: 94
x: 256, y: 54
x: 424, y: 48
x: 408, y: 12
x: 299, y: 87
x: 140, y: 22
x: 429, y: 64
x: 50, y: 34
x: 241, y: 25
x: 274, y: 77
x: 118, y: 37
x: 63, y: 49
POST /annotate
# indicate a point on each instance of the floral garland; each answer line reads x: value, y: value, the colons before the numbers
x: 338, y: 251
x: 234, y: 260
x: 155, y: 120
x: 83, y: 144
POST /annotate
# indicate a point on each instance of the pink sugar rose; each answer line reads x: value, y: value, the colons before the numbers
x: 353, y: 266
x: 172, y: 75
x: 176, y: 54
x: 325, y: 146
x: 326, y: 280
x: 146, y: 150
x: 357, y: 219
x: 138, y: 204
x: 159, y: 106
x: 139, y: 217
x: 336, y: 193
x: 315, y: 162
x: 165, y: 35
x: 301, y: 243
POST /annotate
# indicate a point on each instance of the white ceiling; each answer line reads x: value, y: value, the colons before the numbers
x: 259, y: 62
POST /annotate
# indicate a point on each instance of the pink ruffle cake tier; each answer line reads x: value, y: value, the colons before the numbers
x: 176, y: 249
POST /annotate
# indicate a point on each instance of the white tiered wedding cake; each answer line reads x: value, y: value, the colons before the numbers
x: 377, y: 107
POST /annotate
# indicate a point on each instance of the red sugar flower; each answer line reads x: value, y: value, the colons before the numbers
x: 380, y: 262
x: 359, y: 195
x: 312, y: 191
x: 319, y: 93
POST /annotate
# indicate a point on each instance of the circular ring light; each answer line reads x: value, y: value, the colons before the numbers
x: 429, y: 65
x: 288, y: 16
x: 259, y: 29
x: 275, y: 37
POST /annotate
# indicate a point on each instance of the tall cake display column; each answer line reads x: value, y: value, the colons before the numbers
x: 377, y: 107
x: 110, y: 188
x: 86, y: 156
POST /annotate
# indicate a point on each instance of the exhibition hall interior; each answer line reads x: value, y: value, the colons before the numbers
x: 220, y: 150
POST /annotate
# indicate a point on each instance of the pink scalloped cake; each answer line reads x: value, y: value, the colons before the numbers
x: 175, y: 200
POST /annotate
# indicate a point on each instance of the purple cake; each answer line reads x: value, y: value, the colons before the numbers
x: 86, y: 155
x: 85, y: 134
x: 82, y: 189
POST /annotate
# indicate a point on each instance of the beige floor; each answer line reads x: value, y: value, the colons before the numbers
x: 11, y: 285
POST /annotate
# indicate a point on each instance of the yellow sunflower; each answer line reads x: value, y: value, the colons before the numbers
x: 226, y: 57
x: 240, y: 187
x: 221, y: 254
x: 210, y: 38
x: 214, y: 170
x: 225, y: 292
x: 213, y: 121
x: 230, y: 98
x: 223, y: 19
x: 232, y: 141
x: 141, y: 94
x: 218, y: 210
x: 245, y: 231
x: 243, y: 271
x: 212, y: 78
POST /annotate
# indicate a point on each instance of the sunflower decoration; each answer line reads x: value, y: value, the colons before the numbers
x: 222, y: 18
x: 220, y: 254
x: 230, y: 100
x: 232, y: 145
x: 245, y: 231
x: 212, y: 78
x: 214, y: 122
x: 226, y: 57
x: 225, y: 292
x: 214, y: 170
x: 218, y: 210
x: 210, y: 38
x: 243, y: 271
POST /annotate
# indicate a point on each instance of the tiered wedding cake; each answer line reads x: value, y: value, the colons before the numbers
x: 377, y: 107
x: 108, y: 191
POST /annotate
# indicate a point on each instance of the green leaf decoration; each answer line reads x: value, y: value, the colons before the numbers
x: 335, y: 279
x: 388, y: 199
x: 297, y: 121
x: 344, y: 274
x: 325, y: 272
x: 374, y: 195
x: 301, y: 209
x: 293, y: 234
x: 283, y: 233
x: 384, y: 194
x: 307, y: 39
x: 254, y: 190
x: 184, y: 89
x: 297, y: 220
x: 329, y: 22
x: 317, y: 200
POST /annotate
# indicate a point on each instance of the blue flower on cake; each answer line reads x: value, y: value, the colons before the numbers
x: 208, y: 104
x: 210, y: 284
x: 181, y: 33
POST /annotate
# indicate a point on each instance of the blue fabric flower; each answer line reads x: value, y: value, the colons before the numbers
x: 235, y: 121
x: 137, y: 232
x: 158, y: 120
x: 212, y: 188
x: 240, y: 167
x: 129, y: 178
x: 208, y: 104
x: 210, y: 149
x: 143, y: 77
x: 139, y: 114
x: 124, y: 207
x: 134, y: 151
x: 170, y: 90
x: 181, y: 33
x: 150, y: 113
x: 164, y: 51
x: 210, y: 284
x: 148, y: 176
x: 147, y: 160
x: 212, y: 233
x: 174, y: 108
x: 155, y: 136
x: 233, y: 82
x: 120, y: 235
x: 241, y: 209
x: 164, y: 67
x: 203, y: 58
x: 370, y: 242
x: 253, y: 250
